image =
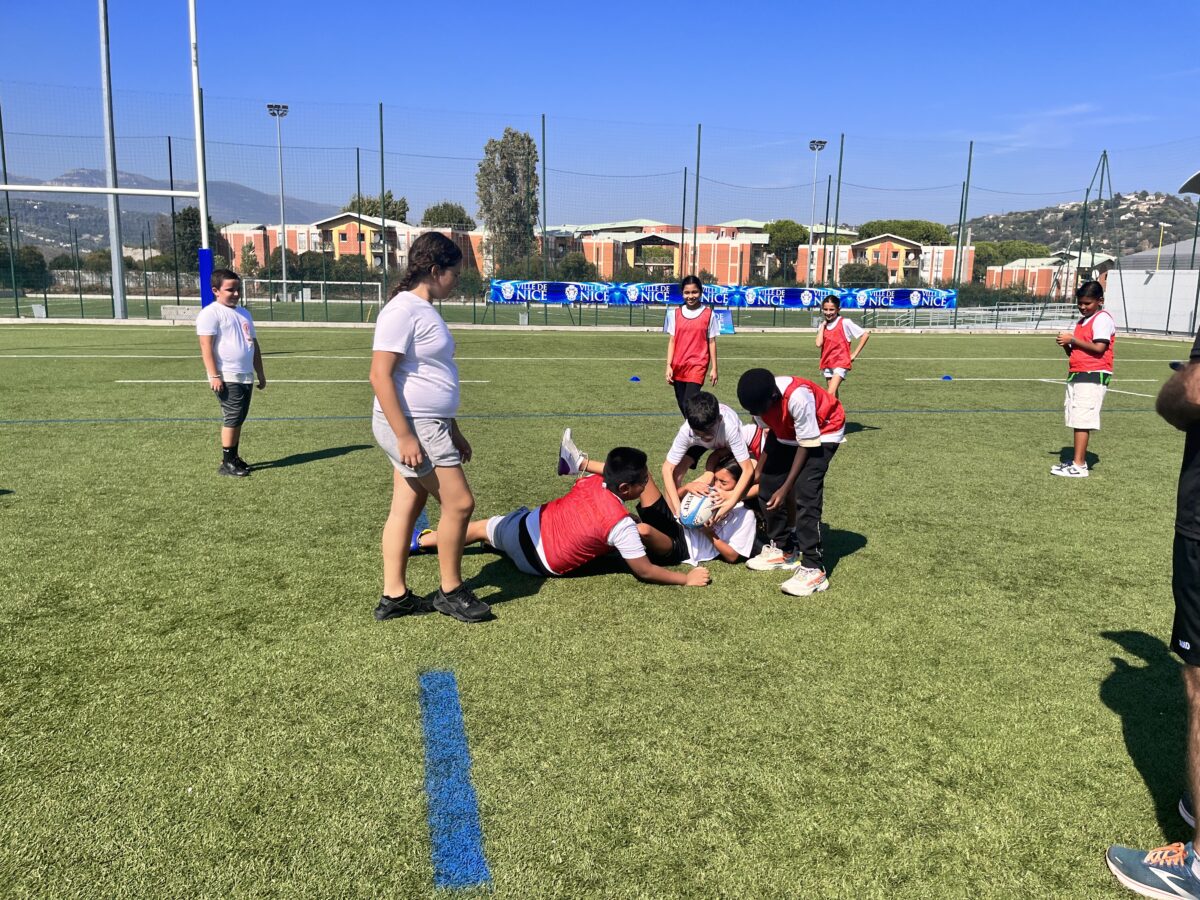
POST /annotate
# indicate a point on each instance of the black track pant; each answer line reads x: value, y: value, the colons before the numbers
x: 809, y: 491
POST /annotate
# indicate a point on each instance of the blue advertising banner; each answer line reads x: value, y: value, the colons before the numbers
x: 726, y: 295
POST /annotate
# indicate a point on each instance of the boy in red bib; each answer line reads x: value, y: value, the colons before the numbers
x: 806, y: 426
x: 692, y: 348
x: 833, y: 340
x: 1089, y: 350
x: 585, y: 524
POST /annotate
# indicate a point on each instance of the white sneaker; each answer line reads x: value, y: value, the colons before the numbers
x: 570, y: 460
x: 1070, y: 470
x: 804, y: 582
x: 771, y: 557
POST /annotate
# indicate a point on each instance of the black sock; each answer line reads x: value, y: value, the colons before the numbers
x: 229, y: 454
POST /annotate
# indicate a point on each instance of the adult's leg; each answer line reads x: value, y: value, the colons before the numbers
x: 449, y: 485
x: 408, y: 499
x: 810, y: 500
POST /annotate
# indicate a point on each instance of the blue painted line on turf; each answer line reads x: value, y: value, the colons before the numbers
x: 454, y: 829
x: 560, y: 416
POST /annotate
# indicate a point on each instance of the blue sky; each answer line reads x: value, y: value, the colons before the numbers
x: 1042, y: 90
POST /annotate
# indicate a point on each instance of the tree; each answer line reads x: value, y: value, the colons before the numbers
x: 30, y: 266
x: 707, y: 277
x: 248, y: 261
x: 506, y: 186
x: 575, y: 267
x: 395, y: 207
x: 785, y: 236
x: 470, y: 284
x: 275, y: 265
x: 63, y: 261
x: 919, y: 230
x: 351, y: 267
x: 862, y: 275
x: 187, y: 237
x: 97, y: 261
x: 310, y: 266
x: 445, y: 214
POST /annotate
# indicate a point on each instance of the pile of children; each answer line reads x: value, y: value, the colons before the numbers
x: 766, y: 477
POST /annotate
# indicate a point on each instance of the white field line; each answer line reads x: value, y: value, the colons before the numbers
x: 269, y: 381
x: 1054, y: 381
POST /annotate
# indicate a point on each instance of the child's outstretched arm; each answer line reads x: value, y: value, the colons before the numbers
x: 644, y: 570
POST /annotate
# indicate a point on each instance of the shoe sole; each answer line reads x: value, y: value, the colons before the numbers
x: 1068, y: 474
x: 1136, y: 886
x: 1185, y: 815
x: 821, y: 586
x: 773, y: 567
x: 232, y: 474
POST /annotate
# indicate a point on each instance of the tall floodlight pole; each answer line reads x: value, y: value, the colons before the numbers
x: 816, y: 147
x: 110, y: 166
x: 278, y: 111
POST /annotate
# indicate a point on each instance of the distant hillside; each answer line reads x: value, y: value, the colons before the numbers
x: 46, y: 219
x: 1135, y: 221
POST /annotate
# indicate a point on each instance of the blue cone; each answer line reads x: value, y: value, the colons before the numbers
x: 635, y: 378
x: 947, y: 378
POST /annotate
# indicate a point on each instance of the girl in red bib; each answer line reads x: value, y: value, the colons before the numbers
x: 692, y: 348
x: 833, y: 340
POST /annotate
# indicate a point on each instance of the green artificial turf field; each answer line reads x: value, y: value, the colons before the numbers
x: 197, y: 702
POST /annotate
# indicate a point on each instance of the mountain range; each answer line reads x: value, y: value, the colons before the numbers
x: 47, y: 219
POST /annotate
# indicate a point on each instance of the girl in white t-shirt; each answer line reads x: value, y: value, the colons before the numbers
x: 416, y: 400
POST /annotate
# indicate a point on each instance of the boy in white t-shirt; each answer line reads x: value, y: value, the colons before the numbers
x: 710, y: 425
x: 232, y: 359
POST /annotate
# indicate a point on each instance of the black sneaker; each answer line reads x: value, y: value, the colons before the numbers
x: 242, y: 464
x: 233, y: 469
x: 393, y: 607
x: 461, y: 604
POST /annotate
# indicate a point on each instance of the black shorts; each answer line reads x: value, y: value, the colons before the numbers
x: 1185, y: 584
x: 658, y: 515
x: 235, y: 403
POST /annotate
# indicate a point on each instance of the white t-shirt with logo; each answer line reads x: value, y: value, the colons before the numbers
x: 426, y: 375
x: 728, y: 433
x: 232, y: 330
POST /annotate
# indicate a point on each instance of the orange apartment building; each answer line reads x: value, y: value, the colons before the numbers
x: 903, y: 259
x: 1054, y: 277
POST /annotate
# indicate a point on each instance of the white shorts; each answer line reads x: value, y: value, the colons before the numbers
x: 839, y: 372
x: 504, y: 533
x: 1082, y: 405
x: 432, y: 434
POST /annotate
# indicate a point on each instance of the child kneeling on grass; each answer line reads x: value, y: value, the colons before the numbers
x: 730, y: 538
x: 585, y: 524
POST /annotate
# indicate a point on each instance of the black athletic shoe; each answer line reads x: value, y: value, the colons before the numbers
x: 233, y: 469
x: 242, y: 464
x: 408, y: 605
x: 461, y: 604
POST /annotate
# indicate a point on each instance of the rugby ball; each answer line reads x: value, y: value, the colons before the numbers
x: 697, y: 510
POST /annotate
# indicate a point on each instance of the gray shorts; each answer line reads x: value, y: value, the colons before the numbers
x: 433, y: 436
x: 235, y: 403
